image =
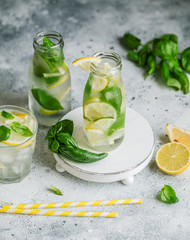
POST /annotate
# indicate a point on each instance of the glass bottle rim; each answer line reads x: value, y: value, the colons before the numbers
x: 21, y: 109
x: 109, y: 55
x: 48, y: 33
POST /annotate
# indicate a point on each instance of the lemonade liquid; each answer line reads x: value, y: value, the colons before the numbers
x: 104, y: 104
x: 16, y: 152
x: 49, y: 79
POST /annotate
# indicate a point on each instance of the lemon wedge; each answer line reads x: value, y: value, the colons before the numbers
x: 97, y: 110
x: 85, y: 62
x: 48, y: 112
x: 178, y: 134
x: 173, y: 158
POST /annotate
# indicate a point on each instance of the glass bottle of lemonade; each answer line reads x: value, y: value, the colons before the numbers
x: 49, y: 79
x: 104, y: 103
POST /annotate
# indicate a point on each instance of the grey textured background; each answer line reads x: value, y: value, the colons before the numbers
x: 88, y: 26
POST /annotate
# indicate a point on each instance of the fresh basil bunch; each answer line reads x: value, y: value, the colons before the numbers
x: 163, y: 50
x: 60, y: 141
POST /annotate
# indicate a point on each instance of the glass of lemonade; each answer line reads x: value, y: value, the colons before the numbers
x: 104, y: 103
x: 18, y: 129
x: 49, y: 79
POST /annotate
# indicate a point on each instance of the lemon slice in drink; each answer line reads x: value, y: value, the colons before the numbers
x: 97, y: 137
x: 62, y: 80
x: 14, y: 139
x: 19, y: 114
x: 173, y: 158
x: 48, y: 112
x: 178, y: 134
x: 85, y: 62
x: 102, y: 124
x: 17, y: 117
x: 99, y: 84
x: 97, y: 110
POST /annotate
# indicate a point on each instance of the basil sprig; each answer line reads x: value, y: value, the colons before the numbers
x: 168, y: 195
x: 60, y: 141
x: 21, y: 129
x: 7, y: 115
x: 45, y: 100
x: 163, y: 50
x: 4, y: 133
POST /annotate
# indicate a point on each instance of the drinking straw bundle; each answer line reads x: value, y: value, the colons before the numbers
x: 40, y: 208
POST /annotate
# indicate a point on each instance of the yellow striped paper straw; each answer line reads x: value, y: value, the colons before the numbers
x: 74, y: 204
x: 59, y: 213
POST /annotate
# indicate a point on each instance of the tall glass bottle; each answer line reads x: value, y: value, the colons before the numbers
x: 49, y: 79
x: 104, y: 103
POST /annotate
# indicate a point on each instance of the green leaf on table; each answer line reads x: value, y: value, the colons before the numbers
x: 168, y: 195
x: 21, y: 129
x: 7, y: 115
x: 143, y: 55
x: 66, y: 139
x: 131, y: 41
x: 54, y: 146
x: 55, y: 190
x: 185, y: 59
x: 169, y: 80
x: 171, y: 37
x: 45, y: 100
x: 133, y: 56
x: 4, y: 133
x: 151, y: 62
x: 63, y: 126
x: 183, y: 79
x: 165, y: 49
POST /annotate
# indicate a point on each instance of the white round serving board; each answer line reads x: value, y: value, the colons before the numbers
x: 131, y: 157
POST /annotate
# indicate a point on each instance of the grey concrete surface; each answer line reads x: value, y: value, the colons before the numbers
x: 88, y: 26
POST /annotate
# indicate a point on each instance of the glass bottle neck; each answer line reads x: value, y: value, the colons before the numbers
x: 110, y: 64
x: 55, y: 46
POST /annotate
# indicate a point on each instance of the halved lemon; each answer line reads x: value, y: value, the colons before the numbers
x: 97, y: 110
x: 178, y: 134
x: 97, y: 137
x: 173, y: 158
x: 85, y: 62
x: 99, y: 84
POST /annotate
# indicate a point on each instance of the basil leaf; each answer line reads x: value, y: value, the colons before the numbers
x: 4, y: 133
x: 183, y: 79
x: 151, y: 62
x: 66, y: 139
x: 51, y: 133
x: 45, y: 100
x: 168, y: 195
x: 7, y: 115
x: 65, y: 126
x: 47, y: 42
x: 165, y: 73
x: 54, y: 146
x: 133, y: 56
x: 185, y: 59
x: 165, y: 49
x: 20, y: 129
x: 131, y: 41
x: 171, y: 37
x: 143, y: 55
x: 55, y: 190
